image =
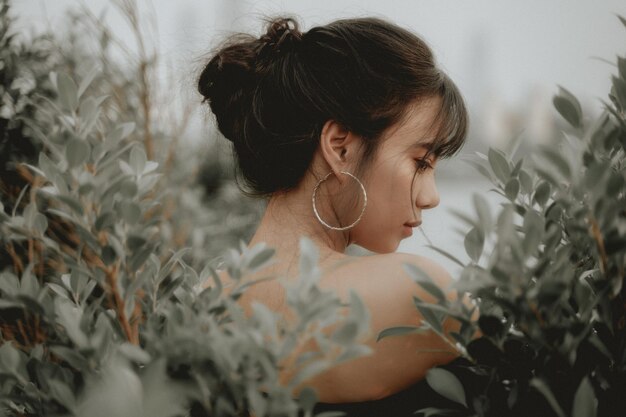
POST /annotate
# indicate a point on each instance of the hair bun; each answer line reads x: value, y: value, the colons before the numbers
x: 282, y: 33
x: 228, y: 80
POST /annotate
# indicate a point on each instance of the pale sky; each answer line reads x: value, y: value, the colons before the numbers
x: 502, y: 54
x: 504, y: 47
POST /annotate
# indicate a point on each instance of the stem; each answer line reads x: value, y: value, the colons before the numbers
x: 118, y: 303
x: 17, y: 262
x: 597, y: 235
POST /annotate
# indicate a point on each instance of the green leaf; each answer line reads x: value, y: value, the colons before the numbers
x: 442, y: 311
x: 260, y: 258
x: 30, y: 211
x: 621, y: 65
x: 310, y: 371
x: 483, y: 211
x: 86, y: 81
x: 69, y: 317
x: 35, y: 170
x: 353, y: 352
x: 446, y: 384
x: 62, y: 292
x: 71, y: 356
x: 533, y: 228
x: 401, y: 330
x: 526, y: 182
x: 168, y: 289
x: 446, y: 254
x: 619, y: 88
x: 433, y: 412
x: 68, y: 92
x: 517, y: 168
x: 307, y: 398
x: 9, y: 358
x: 40, y: 224
x: 309, y: 255
x: 499, y: 165
x: 62, y: 393
x: 169, y: 265
x: 425, y: 281
x: 9, y: 283
x: 130, y: 211
x: 105, y: 220
x: 162, y: 396
x: 433, y: 318
x: 545, y: 390
x: 474, y: 243
x: 542, y: 193
x: 137, y: 159
x: 118, y: 134
x: 481, y: 169
x: 585, y: 402
x: 116, y: 380
x: 595, y: 174
x: 29, y: 285
x: 346, y: 333
x: 139, y: 257
x: 568, y: 106
x: 615, y: 185
x: 512, y: 189
x: 515, y: 144
x: 77, y: 151
x: 128, y: 188
x: 47, y: 166
x: 557, y: 160
x: 134, y: 353
x: 506, y: 228
x: 72, y: 203
x: 89, y: 111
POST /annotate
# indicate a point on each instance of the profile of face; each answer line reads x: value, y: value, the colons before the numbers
x: 400, y: 181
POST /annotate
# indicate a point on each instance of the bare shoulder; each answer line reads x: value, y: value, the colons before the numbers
x: 388, y: 290
x: 398, y: 263
x: 386, y: 276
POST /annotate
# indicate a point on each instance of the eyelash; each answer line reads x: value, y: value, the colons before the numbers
x: 423, y: 165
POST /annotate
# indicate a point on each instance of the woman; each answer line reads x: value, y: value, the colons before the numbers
x: 341, y: 128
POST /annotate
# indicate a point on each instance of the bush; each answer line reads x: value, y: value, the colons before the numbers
x: 104, y: 310
x: 102, y: 299
x: 547, y: 274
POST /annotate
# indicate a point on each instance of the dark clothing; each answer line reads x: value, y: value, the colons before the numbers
x: 401, y: 404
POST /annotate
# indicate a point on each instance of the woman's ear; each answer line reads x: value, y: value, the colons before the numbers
x: 339, y: 148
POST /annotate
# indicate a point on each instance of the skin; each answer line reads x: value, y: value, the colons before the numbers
x: 380, y: 279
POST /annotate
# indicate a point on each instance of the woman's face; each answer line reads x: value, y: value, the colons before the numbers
x: 396, y: 195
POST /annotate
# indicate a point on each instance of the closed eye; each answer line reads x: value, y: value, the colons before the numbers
x: 423, y: 165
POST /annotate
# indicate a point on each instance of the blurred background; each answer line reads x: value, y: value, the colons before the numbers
x: 507, y: 57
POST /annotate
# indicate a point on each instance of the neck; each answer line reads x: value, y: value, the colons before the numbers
x: 289, y: 216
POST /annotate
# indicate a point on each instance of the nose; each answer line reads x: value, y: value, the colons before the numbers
x: 428, y: 195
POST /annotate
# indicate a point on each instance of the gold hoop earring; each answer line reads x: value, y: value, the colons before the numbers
x: 315, y: 208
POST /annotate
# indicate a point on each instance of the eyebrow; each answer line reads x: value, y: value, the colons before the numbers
x: 417, y: 145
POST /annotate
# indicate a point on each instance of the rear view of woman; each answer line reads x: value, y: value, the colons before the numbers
x: 341, y: 128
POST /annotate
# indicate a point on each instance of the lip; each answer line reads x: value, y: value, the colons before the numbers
x: 416, y: 223
x: 408, y: 230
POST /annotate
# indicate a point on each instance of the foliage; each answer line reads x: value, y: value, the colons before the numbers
x: 102, y: 295
x: 547, y: 274
x: 104, y: 310
x: 23, y: 76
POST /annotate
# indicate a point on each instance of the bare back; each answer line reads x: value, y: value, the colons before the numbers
x: 387, y: 291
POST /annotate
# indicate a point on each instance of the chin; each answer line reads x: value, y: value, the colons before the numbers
x: 380, y: 247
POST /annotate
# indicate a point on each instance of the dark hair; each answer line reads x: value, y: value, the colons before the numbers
x: 272, y: 95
